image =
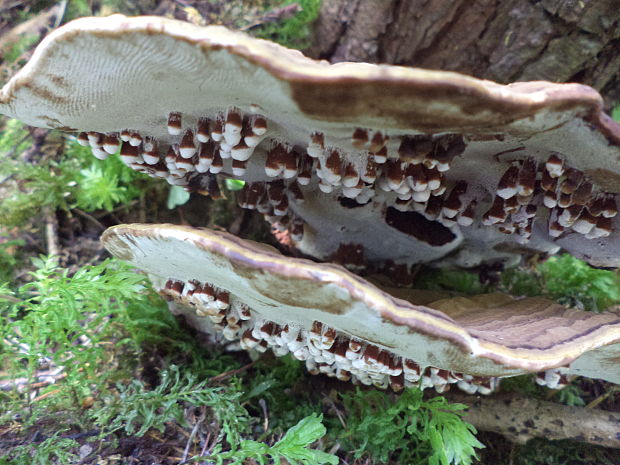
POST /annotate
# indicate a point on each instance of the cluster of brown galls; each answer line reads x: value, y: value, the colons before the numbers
x: 565, y: 191
x: 324, y: 349
x: 415, y: 176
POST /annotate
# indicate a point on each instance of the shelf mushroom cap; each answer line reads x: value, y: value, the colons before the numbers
x: 380, y: 153
x: 491, y: 335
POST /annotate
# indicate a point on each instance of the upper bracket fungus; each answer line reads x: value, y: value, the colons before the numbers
x: 407, y: 165
x: 344, y: 326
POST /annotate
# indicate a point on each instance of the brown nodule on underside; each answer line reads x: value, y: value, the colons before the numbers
x: 416, y: 225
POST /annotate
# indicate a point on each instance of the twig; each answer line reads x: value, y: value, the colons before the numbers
x: 210, y: 442
x: 90, y: 218
x: 61, y: 13
x: 228, y: 374
x: 13, y: 149
x: 205, y: 446
x: 199, y: 421
x: 34, y: 243
x: 46, y: 395
x: 51, y: 232
x: 335, y: 448
x: 601, y: 398
x: 20, y: 384
x: 263, y: 406
x: 339, y: 413
x: 42, y: 384
x: 86, y: 434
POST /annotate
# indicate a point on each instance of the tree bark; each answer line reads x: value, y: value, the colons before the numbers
x: 506, y: 41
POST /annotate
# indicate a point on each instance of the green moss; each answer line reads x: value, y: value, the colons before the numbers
x: 18, y: 48
x: 10, y: 257
x: 407, y: 429
x: 521, y: 283
x: 461, y: 281
x: 52, y: 450
x: 13, y: 138
x: 295, y: 32
x: 73, y: 179
x: 573, y: 282
x: 565, y: 279
x: 112, y: 309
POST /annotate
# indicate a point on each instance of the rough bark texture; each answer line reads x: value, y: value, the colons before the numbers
x: 520, y: 419
x: 506, y: 41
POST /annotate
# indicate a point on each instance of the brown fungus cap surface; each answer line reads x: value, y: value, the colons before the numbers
x: 409, y: 165
x: 344, y: 326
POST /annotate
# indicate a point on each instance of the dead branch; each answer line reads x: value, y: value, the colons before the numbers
x: 520, y: 419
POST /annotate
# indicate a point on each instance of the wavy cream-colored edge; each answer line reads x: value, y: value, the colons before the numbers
x: 418, y: 318
x: 306, y: 76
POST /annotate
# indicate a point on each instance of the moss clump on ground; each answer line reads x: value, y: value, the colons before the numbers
x: 87, y: 331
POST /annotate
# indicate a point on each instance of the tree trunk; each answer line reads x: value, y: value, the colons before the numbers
x: 506, y: 41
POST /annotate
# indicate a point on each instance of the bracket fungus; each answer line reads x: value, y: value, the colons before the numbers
x: 406, y: 165
x: 346, y: 327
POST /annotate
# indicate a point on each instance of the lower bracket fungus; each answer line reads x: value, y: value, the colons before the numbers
x: 409, y: 165
x: 346, y: 327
